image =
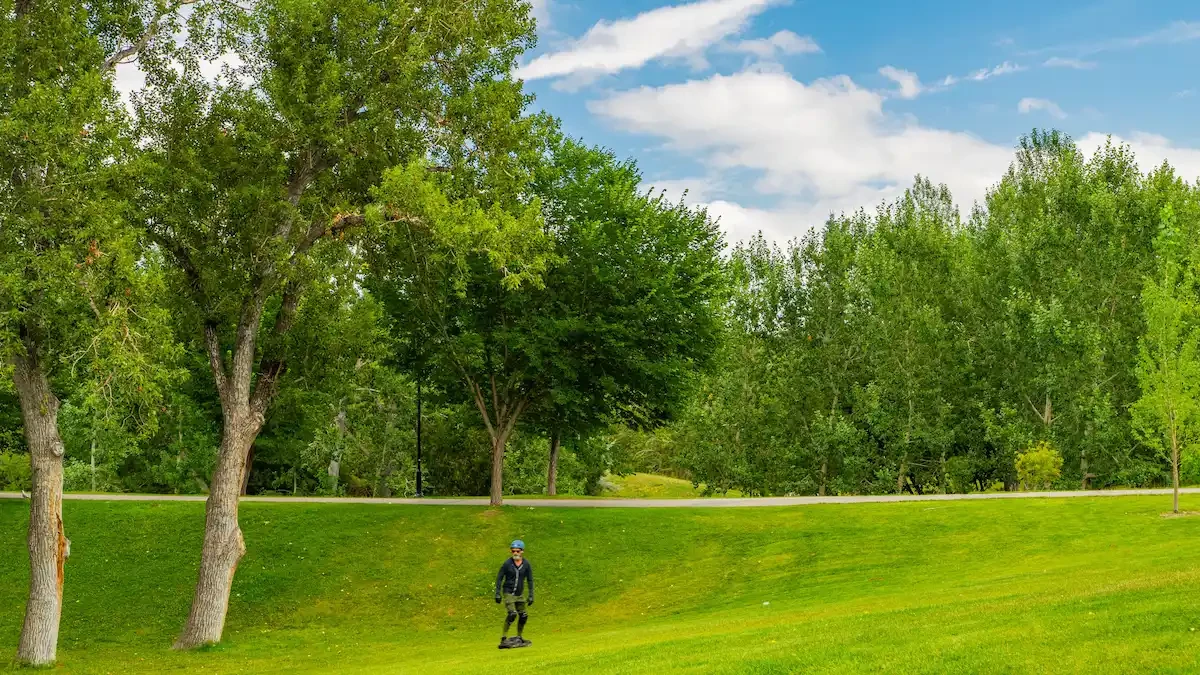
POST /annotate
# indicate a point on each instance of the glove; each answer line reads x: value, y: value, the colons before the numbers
x: 497, y: 599
x: 530, y: 603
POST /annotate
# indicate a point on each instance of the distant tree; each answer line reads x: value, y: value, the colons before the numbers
x: 1167, y: 416
x: 68, y: 279
x: 630, y: 313
x: 257, y: 185
x: 1039, y: 466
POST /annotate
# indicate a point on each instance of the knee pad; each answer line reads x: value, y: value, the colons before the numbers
x: 512, y: 616
x: 524, y: 615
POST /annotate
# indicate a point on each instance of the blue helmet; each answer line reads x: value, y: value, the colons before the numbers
x: 518, y: 544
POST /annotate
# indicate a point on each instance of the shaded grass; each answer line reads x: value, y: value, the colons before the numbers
x: 1040, y: 585
x: 641, y: 486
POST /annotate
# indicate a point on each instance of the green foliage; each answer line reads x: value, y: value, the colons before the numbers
x: 1039, y: 466
x: 906, y: 350
x: 960, y: 474
x: 1167, y: 416
x: 15, y: 472
x: 1073, y: 577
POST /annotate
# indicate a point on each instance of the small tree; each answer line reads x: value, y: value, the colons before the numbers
x: 256, y: 186
x: 1168, y: 368
x: 68, y: 276
x: 630, y: 311
x: 1039, y: 466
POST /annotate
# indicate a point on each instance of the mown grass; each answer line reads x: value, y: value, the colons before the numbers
x: 642, y: 486
x: 1009, y: 586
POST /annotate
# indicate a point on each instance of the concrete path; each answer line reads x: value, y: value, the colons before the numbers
x: 632, y: 503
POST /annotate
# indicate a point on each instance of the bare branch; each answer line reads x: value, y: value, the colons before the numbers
x: 130, y: 53
x: 215, y: 361
x: 181, y: 256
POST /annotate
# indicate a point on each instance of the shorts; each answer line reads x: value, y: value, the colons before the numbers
x: 514, y: 604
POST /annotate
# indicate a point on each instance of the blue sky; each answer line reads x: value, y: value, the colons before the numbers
x: 774, y: 113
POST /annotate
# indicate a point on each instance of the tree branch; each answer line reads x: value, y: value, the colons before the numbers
x: 138, y: 45
x: 181, y: 255
x: 215, y: 361
x: 272, y: 371
x: 481, y: 404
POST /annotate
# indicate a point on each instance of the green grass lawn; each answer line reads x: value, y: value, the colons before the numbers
x: 1007, y: 586
x: 642, y: 486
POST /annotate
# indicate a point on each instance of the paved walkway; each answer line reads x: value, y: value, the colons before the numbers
x: 715, y: 502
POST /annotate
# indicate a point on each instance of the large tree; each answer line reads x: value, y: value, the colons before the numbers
x: 1066, y: 244
x: 618, y: 321
x: 1168, y: 412
x: 257, y: 183
x: 630, y: 312
x: 67, y: 254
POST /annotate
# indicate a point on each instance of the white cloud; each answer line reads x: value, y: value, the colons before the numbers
x: 740, y: 223
x: 783, y: 42
x: 1173, y: 33
x: 982, y: 74
x: 910, y: 84
x: 1002, y: 69
x: 1028, y: 105
x: 1151, y: 150
x: 1184, y: 93
x: 827, y: 146
x: 698, y: 190
x: 677, y: 31
x: 1076, y: 64
x: 541, y: 12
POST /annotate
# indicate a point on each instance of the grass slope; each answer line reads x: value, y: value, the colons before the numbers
x: 642, y: 486
x: 1103, y: 585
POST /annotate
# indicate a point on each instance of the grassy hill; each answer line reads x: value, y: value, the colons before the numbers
x: 1103, y: 585
x: 642, y: 486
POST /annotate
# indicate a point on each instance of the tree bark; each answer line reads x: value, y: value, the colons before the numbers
x: 1175, y: 466
x: 243, y: 418
x: 824, y: 476
x: 223, y: 543
x: 499, y: 424
x: 246, y: 470
x: 49, y: 547
x: 497, y: 487
x: 552, y: 472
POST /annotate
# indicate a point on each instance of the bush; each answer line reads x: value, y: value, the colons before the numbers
x: 1039, y: 466
x: 959, y: 474
x: 15, y: 472
x: 1189, y: 467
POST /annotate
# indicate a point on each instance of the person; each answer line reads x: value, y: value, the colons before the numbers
x: 514, y: 574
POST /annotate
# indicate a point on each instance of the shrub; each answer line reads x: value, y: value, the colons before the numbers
x: 1039, y: 466
x: 15, y: 472
x: 959, y: 474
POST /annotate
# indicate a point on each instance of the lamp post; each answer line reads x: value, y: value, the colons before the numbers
x: 419, y: 437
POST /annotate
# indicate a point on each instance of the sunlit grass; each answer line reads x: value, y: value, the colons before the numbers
x: 1062, y: 585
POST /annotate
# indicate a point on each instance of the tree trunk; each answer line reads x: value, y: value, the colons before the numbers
x: 497, y: 487
x: 945, y: 478
x: 1175, y: 467
x: 900, y: 477
x: 223, y: 543
x: 48, y: 544
x: 824, y: 476
x: 552, y: 472
x: 246, y: 470
x: 384, y: 488
x: 500, y: 424
x: 93, y: 455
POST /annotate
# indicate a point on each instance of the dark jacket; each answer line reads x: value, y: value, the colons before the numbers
x: 512, y: 578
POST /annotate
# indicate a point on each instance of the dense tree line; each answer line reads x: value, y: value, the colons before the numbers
x: 242, y: 281
x: 251, y: 283
x: 913, y: 350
